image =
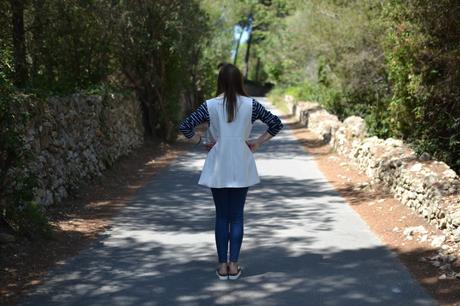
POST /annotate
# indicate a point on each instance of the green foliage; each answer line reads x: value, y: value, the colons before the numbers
x: 217, y: 45
x: 161, y: 50
x: 6, y: 65
x: 329, y: 98
x: 29, y: 220
x: 266, y: 16
x: 276, y: 95
x: 393, y: 62
x: 69, y: 44
x: 16, y: 182
x: 423, y: 56
x: 158, y: 49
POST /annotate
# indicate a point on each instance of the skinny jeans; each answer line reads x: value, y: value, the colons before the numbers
x: 229, y: 203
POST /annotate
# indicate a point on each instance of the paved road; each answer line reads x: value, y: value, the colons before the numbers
x: 303, y: 245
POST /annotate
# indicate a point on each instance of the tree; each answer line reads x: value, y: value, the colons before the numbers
x: 423, y: 57
x: 259, y: 17
x: 248, y: 48
x: 158, y: 47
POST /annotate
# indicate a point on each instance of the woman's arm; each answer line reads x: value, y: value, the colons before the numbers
x: 187, y: 126
x: 274, y: 122
x: 264, y: 137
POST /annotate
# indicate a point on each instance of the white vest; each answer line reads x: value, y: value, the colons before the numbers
x: 230, y: 162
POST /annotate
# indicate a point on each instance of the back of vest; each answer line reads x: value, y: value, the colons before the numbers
x: 230, y: 162
x: 241, y: 125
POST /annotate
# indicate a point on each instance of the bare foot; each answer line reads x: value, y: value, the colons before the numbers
x: 233, y: 267
x: 223, y: 268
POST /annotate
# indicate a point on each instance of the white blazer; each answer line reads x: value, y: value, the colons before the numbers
x: 230, y: 162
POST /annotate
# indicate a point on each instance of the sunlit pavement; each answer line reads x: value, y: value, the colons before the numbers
x: 303, y: 245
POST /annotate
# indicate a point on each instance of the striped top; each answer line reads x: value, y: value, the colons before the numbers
x: 258, y: 112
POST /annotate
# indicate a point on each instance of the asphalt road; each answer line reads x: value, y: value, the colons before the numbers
x: 303, y: 245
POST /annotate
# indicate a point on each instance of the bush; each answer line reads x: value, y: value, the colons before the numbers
x: 422, y: 60
x: 394, y: 63
x: 17, y: 206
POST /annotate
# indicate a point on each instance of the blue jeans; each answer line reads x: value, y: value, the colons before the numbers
x: 229, y: 202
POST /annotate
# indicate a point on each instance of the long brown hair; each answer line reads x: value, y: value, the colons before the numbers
x: 230, y: 83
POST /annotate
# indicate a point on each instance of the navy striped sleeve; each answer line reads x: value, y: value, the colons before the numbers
x: 199, y: 116
x: 260, y: 112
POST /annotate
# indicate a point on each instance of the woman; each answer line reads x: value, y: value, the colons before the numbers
x: 230, y: 169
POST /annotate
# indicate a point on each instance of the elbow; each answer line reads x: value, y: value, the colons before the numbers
x: 280, y: 124
x: 187, y: 133
x: 181, y: 127
x: 276, y: 127
x: 185, y: 130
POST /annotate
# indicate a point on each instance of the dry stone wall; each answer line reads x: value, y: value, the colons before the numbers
x: 427, y: 186
x: 76, y: 137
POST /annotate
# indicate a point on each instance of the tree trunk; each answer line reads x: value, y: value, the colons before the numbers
x: 246, y: 58
x: 238, y: 46
x: 19, y: 43
x: 257, y: 69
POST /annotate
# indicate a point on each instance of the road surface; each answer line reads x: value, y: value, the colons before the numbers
x: 303, y: 244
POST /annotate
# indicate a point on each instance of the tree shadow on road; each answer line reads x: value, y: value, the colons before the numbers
x: 148, y: 273
x: 161, y: 251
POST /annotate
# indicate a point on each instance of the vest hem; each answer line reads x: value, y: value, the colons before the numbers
x: 228, y: 185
